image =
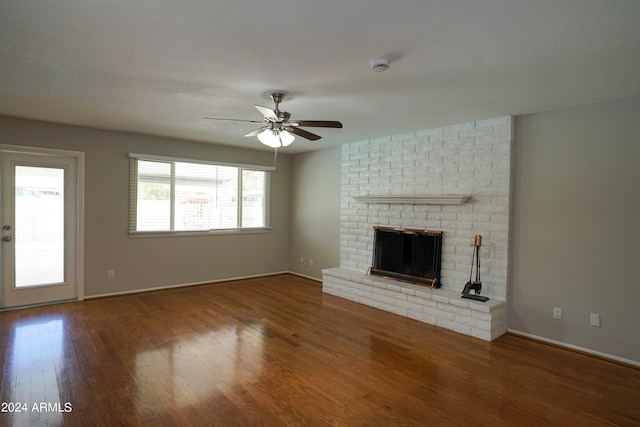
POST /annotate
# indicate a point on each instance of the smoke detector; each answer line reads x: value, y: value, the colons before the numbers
x: 380, y: 64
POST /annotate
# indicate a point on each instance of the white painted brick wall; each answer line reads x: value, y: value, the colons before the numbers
x: 471, y: 158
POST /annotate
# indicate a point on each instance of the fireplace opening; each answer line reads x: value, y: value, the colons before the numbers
x: 407, y: 255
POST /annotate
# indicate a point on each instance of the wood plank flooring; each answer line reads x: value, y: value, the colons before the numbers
x: 275, y: 351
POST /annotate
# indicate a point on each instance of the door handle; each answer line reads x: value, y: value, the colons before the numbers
x: 6, y: 238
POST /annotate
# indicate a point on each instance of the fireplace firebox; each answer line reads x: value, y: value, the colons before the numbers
x: 408, y: 255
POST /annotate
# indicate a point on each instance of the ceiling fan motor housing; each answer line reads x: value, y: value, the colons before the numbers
x: 284, y: 115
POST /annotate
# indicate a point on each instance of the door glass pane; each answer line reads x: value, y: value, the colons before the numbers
x: 39, y: 226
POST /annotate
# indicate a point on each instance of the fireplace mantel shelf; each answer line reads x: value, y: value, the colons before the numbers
x: 415, y: 200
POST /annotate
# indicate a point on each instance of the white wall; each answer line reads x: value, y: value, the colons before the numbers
x: 467, y: 159
x: 576, y: 226
x: 155, y: 262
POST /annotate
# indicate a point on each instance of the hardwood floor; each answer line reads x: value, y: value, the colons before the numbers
x: 276, y: 351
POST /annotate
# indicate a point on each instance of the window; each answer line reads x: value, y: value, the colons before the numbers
x: 178, y: 195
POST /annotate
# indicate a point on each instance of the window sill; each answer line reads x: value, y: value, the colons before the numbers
x: 197, y: 233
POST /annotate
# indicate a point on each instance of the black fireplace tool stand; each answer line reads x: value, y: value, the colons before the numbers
x: 475, y: 285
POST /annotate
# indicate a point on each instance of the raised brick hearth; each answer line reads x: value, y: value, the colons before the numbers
x: 440, y: 307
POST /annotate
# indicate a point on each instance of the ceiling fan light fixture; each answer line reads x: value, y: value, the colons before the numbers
x: 275, y: 138
x: 269, y: 138
x: 286, y: 138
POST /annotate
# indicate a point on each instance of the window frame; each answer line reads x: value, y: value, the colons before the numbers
x: 133, y: 188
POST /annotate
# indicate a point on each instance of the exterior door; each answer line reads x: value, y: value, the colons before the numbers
x: 39, y: 243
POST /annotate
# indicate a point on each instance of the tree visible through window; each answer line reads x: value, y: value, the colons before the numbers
x: 184, y: 196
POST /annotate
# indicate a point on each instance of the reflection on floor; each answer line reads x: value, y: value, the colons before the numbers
x: 277, y: 351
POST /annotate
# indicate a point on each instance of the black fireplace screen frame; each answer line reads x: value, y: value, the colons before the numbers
x: 408, y: 255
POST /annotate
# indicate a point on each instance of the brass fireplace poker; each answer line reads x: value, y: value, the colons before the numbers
x: 475, y: 285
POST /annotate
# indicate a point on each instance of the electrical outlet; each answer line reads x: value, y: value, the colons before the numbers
x: 595, y: 319
x: 111, y: 273
x: 557, y: 312
x: 301, y: 260
x: 311, y: 262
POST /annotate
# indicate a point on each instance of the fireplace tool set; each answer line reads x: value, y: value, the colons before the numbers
x: 475, y: 285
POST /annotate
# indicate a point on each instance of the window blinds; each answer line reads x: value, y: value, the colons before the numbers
x: 181, y: 195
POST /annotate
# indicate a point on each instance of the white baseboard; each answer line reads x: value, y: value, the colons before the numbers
x: 182, y: 285
x: 575, y: 347
x: 305, y: 276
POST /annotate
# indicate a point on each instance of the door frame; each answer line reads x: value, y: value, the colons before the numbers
x: 79, y: 226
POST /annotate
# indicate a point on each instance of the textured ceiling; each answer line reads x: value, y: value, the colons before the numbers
x: 158, y: 66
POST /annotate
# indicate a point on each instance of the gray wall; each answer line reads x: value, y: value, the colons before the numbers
x: 156, y: 262
x: 315, y: 211
x: 575, y: 220
x: 576, y: 226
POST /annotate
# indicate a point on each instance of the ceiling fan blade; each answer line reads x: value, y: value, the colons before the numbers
x: 303, y: 133
x: 268, y: 114
x: 234, y: 120
x: 319, y: 123
x: 257, y: 131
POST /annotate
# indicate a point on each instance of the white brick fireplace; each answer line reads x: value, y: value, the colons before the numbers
x: 471, y: 159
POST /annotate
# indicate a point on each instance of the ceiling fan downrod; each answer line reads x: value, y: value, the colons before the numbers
x: 277, y: 98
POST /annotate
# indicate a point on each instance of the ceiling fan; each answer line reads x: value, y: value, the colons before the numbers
x: 279, y: 131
